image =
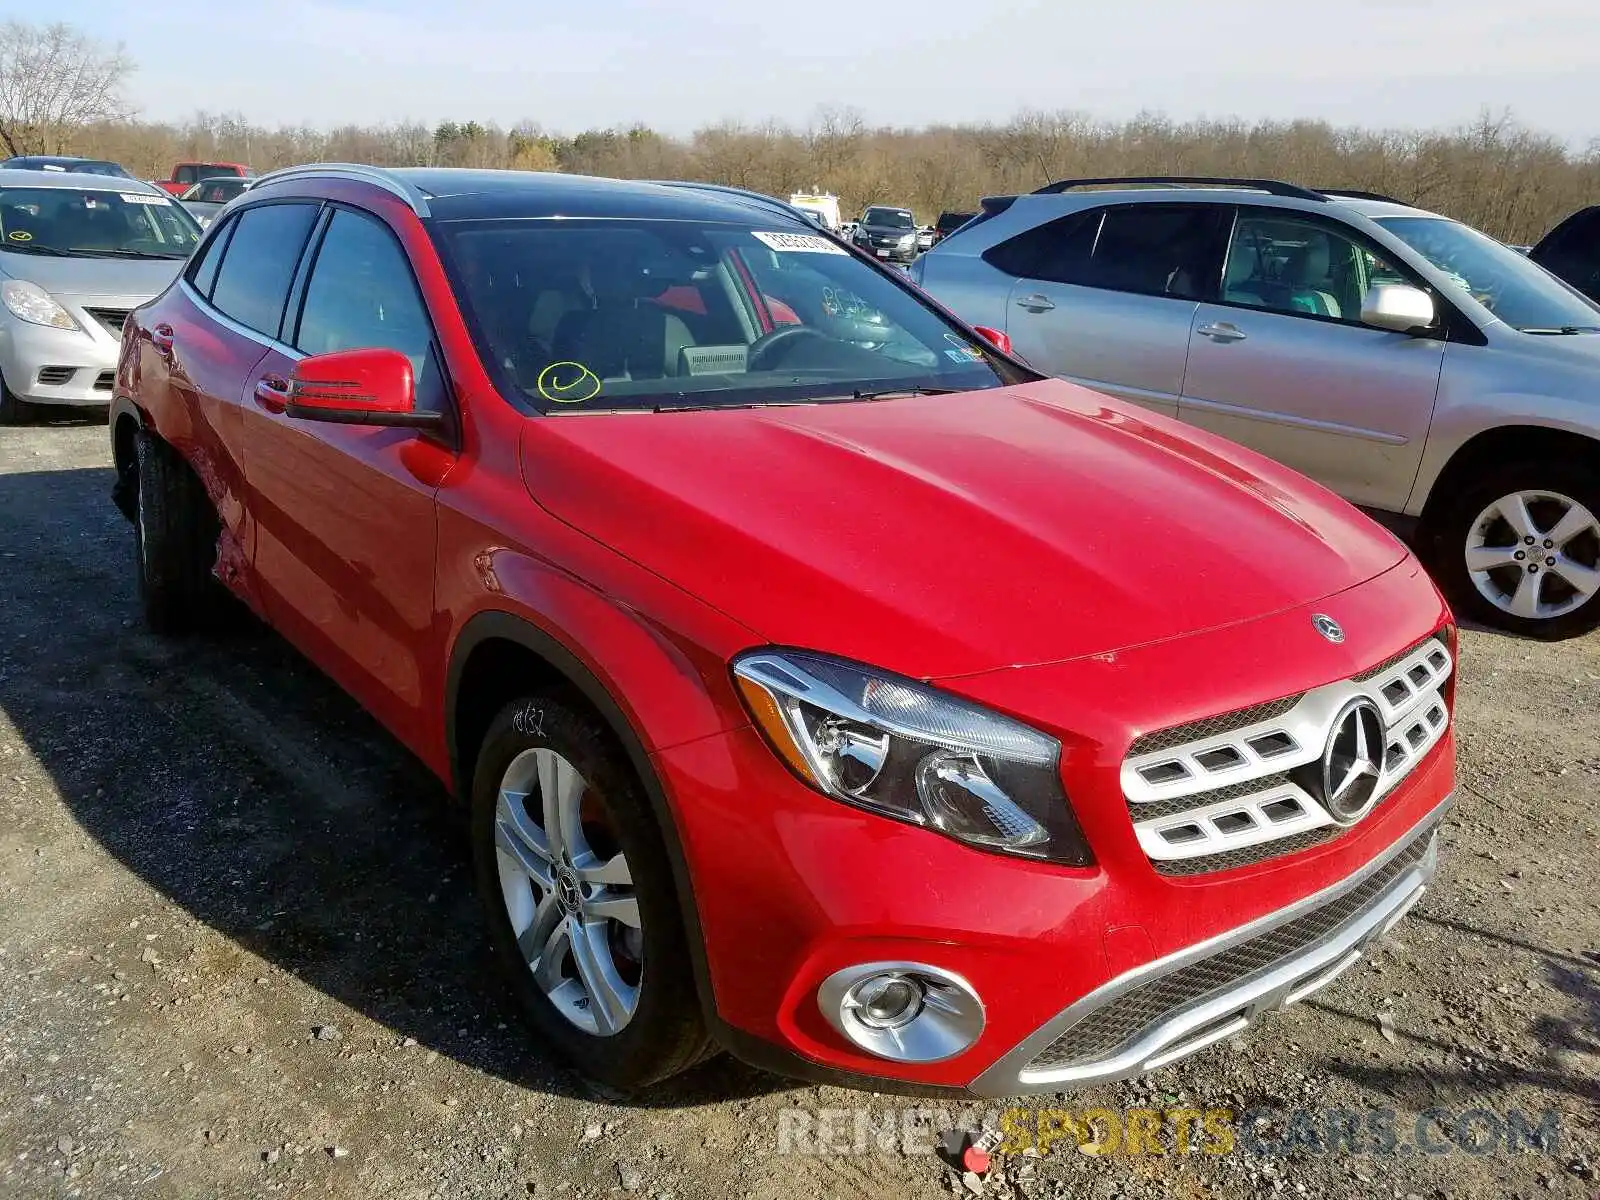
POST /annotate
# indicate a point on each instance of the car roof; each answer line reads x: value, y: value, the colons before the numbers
x: 75, y: 181
x: 469, y: 194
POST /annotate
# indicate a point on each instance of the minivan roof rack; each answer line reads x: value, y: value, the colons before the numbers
x: 388, y: 180
x: 1274, y: 187
x: 1353, y: 194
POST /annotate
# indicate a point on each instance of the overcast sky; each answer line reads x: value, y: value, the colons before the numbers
x: 676, y: 64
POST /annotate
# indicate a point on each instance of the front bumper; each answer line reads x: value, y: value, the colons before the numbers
x: 1181, y: 1004
x: 893, y: 253
x: 44, y: 365
x: 791, y: 887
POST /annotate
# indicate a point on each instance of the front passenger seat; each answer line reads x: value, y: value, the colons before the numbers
x: 1306, y: 273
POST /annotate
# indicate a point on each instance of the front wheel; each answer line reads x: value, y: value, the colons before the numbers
x: 580, y: 899
x: 1519, y: 549
x: 12, y: 410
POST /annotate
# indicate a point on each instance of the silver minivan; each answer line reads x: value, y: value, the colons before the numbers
x: 1416, y: 366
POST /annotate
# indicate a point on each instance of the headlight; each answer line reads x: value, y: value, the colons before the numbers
x: 904, y: 750
x: 31, y: 303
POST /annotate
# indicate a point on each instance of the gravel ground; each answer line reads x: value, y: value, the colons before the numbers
x: 240, y: 956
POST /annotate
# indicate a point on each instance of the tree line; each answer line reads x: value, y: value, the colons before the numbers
x: 60, y: 92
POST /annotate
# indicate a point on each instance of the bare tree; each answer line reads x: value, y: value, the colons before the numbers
x: 54, y: 81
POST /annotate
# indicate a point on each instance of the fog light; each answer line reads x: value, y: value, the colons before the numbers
x: 886, y: 1001
x: 907, y: 1012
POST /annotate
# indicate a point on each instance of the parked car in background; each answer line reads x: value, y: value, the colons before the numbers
x: 186, y: 174
x: 903, y: 745
x: 1412, y: 364
x: 70, y: 165
x: 888, y: 233
x: 1571, y: 251
x: 948, y: 223
x: 205, y: 199
x: 925, y: 237
x: 822, y: 207
x: 77, y: 252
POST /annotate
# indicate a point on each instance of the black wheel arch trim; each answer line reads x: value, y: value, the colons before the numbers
x: 122, y: 494
x: 498, y: 624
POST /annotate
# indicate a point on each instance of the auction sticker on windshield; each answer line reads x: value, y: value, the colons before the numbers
x: 141, y: 198
x: 797, y: 243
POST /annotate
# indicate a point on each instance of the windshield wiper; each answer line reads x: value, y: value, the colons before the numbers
x: 895, y: 393
x: 1562, y: 330
x: 104, y: 253
x: 52, y: 251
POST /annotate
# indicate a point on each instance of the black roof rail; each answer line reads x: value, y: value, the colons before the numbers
x: 1353, y: 194
x: 1274, y: 187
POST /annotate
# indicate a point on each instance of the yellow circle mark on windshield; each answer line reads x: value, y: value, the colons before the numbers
x: 568, y: 383
x: 20, y: 235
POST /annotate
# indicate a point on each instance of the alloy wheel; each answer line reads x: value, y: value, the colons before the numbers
x: 1535, y: 554
x: 568, y: 892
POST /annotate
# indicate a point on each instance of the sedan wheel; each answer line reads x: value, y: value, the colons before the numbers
x: 571, y: 905
x: 1535, y: 555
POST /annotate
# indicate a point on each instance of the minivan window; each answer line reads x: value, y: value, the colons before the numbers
x: 582, y: 315
x: 1519, y: 292
x: 259, y: 264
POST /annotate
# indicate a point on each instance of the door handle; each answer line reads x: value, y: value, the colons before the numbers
x: 1038, y: 302
x: 1222, y: 331
x: 272, y: 393
x: 161, y: 337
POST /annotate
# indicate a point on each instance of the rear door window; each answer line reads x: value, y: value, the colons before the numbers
x: 1153, y: 249
x: 259, y: 264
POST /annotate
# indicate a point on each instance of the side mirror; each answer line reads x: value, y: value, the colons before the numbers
x: 357, y: 387
x: 1000, y: 341
x: 1397, y: 306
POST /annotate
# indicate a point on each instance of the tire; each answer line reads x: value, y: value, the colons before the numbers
x: 175, y: 542
x: 664, y: 1034
x: 1552, y: 493
x: 12, y: 410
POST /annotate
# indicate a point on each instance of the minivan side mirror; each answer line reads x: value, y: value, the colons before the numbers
x: 357, y: 387
x: 1397, y: 306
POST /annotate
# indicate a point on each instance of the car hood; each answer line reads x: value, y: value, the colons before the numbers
x: 136, y: 278
x: 946, y: 535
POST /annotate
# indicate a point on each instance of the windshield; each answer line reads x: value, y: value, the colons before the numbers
x: 891, y: 218
x: 94, y: 224
x: 1507, y: 283
x: 583, y: 315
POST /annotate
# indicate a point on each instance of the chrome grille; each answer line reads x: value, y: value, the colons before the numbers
x: 1243, y: 787
x: 111, y: 319
x: 1195, y: 731
x: 1106, y: 1030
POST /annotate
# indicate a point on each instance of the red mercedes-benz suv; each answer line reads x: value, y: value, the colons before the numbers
x: 823, y: 683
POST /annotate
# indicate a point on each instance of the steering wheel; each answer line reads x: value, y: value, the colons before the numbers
x: 768, y: 343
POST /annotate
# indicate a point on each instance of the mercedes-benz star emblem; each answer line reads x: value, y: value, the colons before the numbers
x: 1352, y: 765
x: 1328, y: 628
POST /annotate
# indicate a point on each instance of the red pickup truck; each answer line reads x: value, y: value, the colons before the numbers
x: 186, y: 174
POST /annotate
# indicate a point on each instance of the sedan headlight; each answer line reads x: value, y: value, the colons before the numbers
x: 904, y: 750
x: 31, y: 303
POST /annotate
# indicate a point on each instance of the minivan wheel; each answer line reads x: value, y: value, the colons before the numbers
x: 1519, y: 550
x: 581, y: 904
